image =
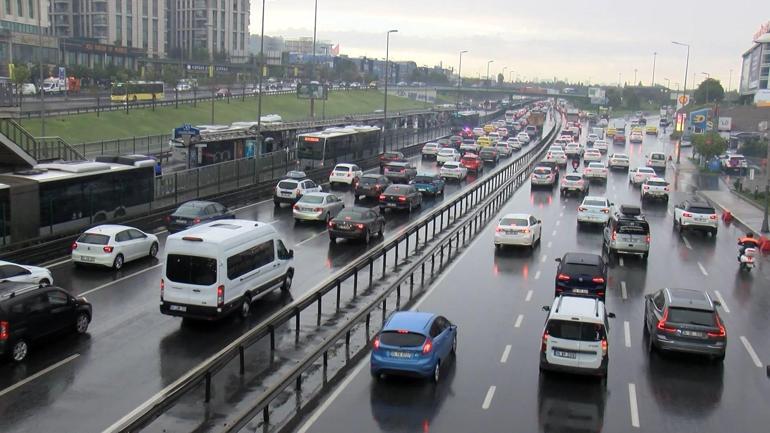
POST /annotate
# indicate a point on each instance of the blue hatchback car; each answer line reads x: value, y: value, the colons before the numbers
x: 413, y: 344
x: 431, y: 184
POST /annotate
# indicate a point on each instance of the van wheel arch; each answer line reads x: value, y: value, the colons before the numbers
x: 287, y: 280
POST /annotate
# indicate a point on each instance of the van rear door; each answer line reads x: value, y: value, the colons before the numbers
x: 190, y: 280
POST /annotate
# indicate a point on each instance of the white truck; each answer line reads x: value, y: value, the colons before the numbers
x: 54, y: 86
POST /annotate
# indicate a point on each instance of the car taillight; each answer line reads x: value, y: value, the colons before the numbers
x: 4, y: 330
x: 427, y: 346
x: 614, y: 235
x: 713, y: 217
x: 196, y: 220
x: 544, y: 342
x: 563, y: 277
x: 382, y: 196
x: 349, y: 174
x: 645, y: 187
x: 647, y: 239
x: 662, y: 326
x: 295, y: 207
x: 331, y: 224
x: 582, y: 209
x: 376, y: 342
x: 318, y: 209
x: 598, y: 280
x: 108, y: 249
x: 220, y: 296
x: 402, y: 198
x: 162, y: 288
x: 168, y: 218
x: 525, y: 230
x: 360, y: 226
x: 297, y: 192
x: 605, y: 210
x: 74, y: 245
x: 498, y: 229
x: 686, y: 214
x: 721, y: 333
x: 604, y: 347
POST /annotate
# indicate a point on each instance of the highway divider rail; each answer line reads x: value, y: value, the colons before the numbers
x: 434, y: 240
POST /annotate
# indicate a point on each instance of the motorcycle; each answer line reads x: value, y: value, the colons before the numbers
x: 746, y: 259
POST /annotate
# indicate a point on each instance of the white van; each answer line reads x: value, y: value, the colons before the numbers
x: 213, y: 269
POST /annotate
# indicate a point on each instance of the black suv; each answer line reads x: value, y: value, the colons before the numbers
x: 581, y: 274
x: 29, y: 312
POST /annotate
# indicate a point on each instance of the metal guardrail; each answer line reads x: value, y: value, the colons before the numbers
x: 41, y: 148
x: 436, y: 221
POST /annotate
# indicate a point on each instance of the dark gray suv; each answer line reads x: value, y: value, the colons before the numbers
x: 684, y: 320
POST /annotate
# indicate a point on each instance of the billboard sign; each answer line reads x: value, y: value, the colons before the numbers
x: 681, y: 101
x: 699, y: 120
x: 312, y: 90
x: 680, y: 118
x: 754, y: 68
x: 725, y: 124
x: 597, y: 95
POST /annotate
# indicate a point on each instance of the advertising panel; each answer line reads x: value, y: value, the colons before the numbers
x: 754, y: 68
x: 312, y: 90
x: 699, y: 120
x: 745, y: 73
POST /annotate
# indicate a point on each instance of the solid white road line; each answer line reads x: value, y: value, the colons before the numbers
x: 529, y: 293
x: 558, y: 222
x: 518, y: 321
x: 488, y: 398
x: 623, y: 290
x: 97, y: 288
x: 627, y: 332
x: 561, y: 214
x: 703, y: 270
x: 548, y: 245
x: 621, y: 261
x: 553, y: 233
x: 311, y: 238
x: 38, y: 374
x: 722, y: 301
x: 544, y: 258
x: 751, y: 351
x: 59, y: 263
x: 669, y: 212
x: 634, y: 407
x: 506, y: 352
x: 686, y: 242
x: 537, y: 275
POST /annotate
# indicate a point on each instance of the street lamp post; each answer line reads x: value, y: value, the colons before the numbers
x: 765, y: 227
x: 40, y: 66
x: 312, y: 65
x: 261, y: 71
x: 488, y: 82
x: 460, y: 78
x: 387, y: 77
x: 684, y: 92
x: 211, y: 70
x: 668, y: 83
x: 730, y: 82
x: 654, y: 58
x: 635, y: 71
x: 510, y: 77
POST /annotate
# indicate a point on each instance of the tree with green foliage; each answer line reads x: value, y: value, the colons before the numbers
x: 171, y: 74
x: 21, y: 74
x: 613, y: 98
x: 710, y: 90
x: 346, y: 70
x: 709, y: 145
x: 500, y: 78
x: 631, y: 99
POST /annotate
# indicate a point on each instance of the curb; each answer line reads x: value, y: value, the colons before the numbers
x: 736, y: 218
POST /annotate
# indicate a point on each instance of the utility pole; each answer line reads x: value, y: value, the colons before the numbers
x: 40, y: 66
x: 312, y: 65
x: 730, y: 82
x: 489, y: 63
x: 765, y: 227
x: 387, y: 77
x: 260, y: 73
x: 684, y: 92
x: 635, y: 70
x: 654, y: 58
x: 459, y: 78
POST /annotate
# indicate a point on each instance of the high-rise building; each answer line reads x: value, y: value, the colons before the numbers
x: 20, y: 41
x: 211, y: 26
x: 129, y: 23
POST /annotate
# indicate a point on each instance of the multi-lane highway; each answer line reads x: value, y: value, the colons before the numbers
x: 495, y: 298
x: 132, y: 351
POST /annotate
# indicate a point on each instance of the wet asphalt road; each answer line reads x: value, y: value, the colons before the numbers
x: 494, y: 385
x: 73, y: 384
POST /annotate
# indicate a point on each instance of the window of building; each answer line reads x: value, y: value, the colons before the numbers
x: 119, y: 29
x: 145, y: 8
x: 8, y: 7
x: 144, y: 32
x: 155, y: 36
x: 32, y: 8
x: 19, y: 8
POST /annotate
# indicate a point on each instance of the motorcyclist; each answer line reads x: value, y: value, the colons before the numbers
x: 748, y: 241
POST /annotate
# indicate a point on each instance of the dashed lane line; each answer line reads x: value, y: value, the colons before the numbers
x: 549, y: 244
x: 537, y: 275
x: 722, y: 301
x: 28, y: 379
x: 627, y: 332
x: 621, y: 261
x: 623, y: 290
x: 633, y: 405
x: 558, y: 222
x: 518, y: 321
x: 686, y: 242
x: 561, y: 214
x: 311, y: 238
x: 97, y: 288
x: 544, y: 258
x: 488, y: 398
x: 703, y: 270
x: 553, y: 233
x: 529, y: 293
x: 506, y: 352
x: 751, y: 351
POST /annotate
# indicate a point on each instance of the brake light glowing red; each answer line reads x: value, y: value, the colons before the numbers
x: 598, y: 280
x: 220, y: 296
x: 4, y: 330
x: 74, y: 245
x: 360, y: 226
x: 563, y: 277
x: 376, y: 342
x: 686, y: 214
x: 402, y: 198
x: 162, y: 288
x: 196, y: 221
x: 108, y: 249
x: 427, y: 346
x: 662, y: 326
x: 604, y: 347
x: 582, y: 209
x: 499, y: 229
x: 614, y: 235
x: 605, y: 210
x: 382, y: 196
x: 168, y: 218
x: 647, y: 239
x: 318, y: 209
x: 331, y: 224
x: 713, y: 217
x: 721, y: 333
x: 544, y: 341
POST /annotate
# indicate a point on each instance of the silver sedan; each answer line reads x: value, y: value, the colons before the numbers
x: 317, y: 206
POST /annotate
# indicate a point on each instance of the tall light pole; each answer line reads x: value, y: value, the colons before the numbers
x: 654, y: 58
x: 510, y: 76
x: 668, y: 83
x: 635, y: 71
x: 40, y: 66
x: 387, y: 77
x: 312, y: 64
x: 489, y: 63
x: 460, y: 78
x: 210, y: 25
x: 730, y: 82
x: 261, y: 72
x: 765, y: 227
x: 620, y: 74
x: 684, y: 92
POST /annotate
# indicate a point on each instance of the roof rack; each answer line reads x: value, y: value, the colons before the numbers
x: 630, y: 210
x: 596, y: 307
x: 558, y: 304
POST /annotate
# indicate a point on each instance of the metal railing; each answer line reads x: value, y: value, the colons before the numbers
x: 486, y: 195
x: 41, y: 148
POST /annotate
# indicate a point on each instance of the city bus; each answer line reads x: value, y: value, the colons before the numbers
x: 137, y: 91
x: 341, y: 144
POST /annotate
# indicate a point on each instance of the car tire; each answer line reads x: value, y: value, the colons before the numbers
x: 81, y: 323
x: 368, y: 236
x: 645, y: 256
x: 276, y: 203
x: 245, y: 306
x: 44, y: 282
x: 718, y: 358
x: 327, y: 218
x: 153, y: 250
x: 436, y: 376
x: 118, y: 263
x: 19, y: 350
x: 681, y: 227
x: 287, y: 280
x: 454, y: 345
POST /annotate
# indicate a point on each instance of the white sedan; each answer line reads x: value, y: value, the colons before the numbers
x: 594, y: 209
x: 453, y: 170
x: 638, y: 175
x: 113, y: 245
x: 601, y: 145
x: 514, y: 144
x: 618, y: 160
x: 591, y: 155
x: 596, y: 170
x: 25, y: 274
x: 518, y: 229
x: 556, y: 156
x: 345, y: 173
x: 317, y: 206
x: 523, y: 138
x: 447, y: 154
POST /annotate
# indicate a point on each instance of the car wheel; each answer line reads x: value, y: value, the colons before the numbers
x: 681, y: 228
x: 327, y: 218
x: 154, y: 250
x: 287, y: 280
x: 81, y: 323
x: 19, y: 351
x: 277, y: 203
x: 645, y: 256
x: 454, y: 345
x: 245, y: 306
x: 436, y: 372
x: 367, y: 236
x: 118, y: 263
x: 44, y: 282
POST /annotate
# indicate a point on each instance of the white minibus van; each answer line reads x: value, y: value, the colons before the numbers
x: 213, y: 269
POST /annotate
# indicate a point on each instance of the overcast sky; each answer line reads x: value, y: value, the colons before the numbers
x: 590, y: 40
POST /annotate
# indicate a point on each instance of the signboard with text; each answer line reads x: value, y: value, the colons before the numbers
x: 680, y: 118
x: 725, y: 124
x: 312, y: 90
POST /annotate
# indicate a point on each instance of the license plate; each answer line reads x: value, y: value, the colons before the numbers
x: 585, y: 291
x: 692, y: 334
x: 344, y: 226
x: 562, y: 354
x: 178, y: 308
x: 180, y: 221
x: 700, y: 219
x: 87, y: 259
x: 286, y: 193
x: 402, y: 355
x: 391, y: 204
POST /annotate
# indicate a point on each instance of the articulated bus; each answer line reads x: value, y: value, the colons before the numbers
x: 332, y: 145
x: 133, y: 91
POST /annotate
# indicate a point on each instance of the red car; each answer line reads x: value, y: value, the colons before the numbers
x: 619, y: 137
x: 472, y: 162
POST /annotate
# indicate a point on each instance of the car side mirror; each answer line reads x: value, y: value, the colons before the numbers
x: 558, y: 259
x: 611, y: 315
x: 546, y: 308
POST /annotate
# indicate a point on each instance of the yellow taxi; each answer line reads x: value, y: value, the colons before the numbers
x: 484, y: 141
x: 611, y: 132
x: 489, y: 128
x: 637, y: 129
x: 651, y: 130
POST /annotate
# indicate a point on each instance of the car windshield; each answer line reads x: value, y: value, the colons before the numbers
x: 93, y: 238
x: 401, y: 339
x: 691, y: 316
x: 199, y: 271
x: 520, y: 222
x: 311, y: 199
x: 350, y: 214
x: 287, y: 184
x: 581, y: 331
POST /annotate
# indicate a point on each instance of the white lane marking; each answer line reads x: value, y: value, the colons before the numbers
x: 621, y: 262
x: 273, y: 221
x: 722, y: 301
x: 686, y: 242
x: 543, y: 259
x: 488, y: 398
x: 537, y: 275
x: 518, y: 321
x: 548, y: 245
x: 623, y: 290
x: 669, y: 212
x: 627, y: 332
x: 59, y: 263
x: 703, y: 270
x: 311, y: 238
x: 751, y: 351
x: 633, y: 405
x: 97, y: 288
x: 529, y: 293
x: 553, y: 233
x: 160, y: 232
x: 38, y: 374
x: 561, y: 214
x: 564, y: 206
x: 506, y: 352
x: 558, y: 222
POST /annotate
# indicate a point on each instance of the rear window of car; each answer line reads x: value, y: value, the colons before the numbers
x: 189, y: 210
x: 691, y: 316
x: 200, y: 271
x: 581, y: 268
x: 451, y: 165
x: 542, y: 171
x: 657, y: 156
x: 93, y: 238
x: 576, y: 330
x: 368, y: 180
x: 657, y: 183
x: 311, y: 199
x: 391, y: 155
x: 520, y: 222
x: 286, y: 184
x: 349, y: 214
x: 446, y: 151
x: 702, y: 210
x: 574, y: 178
x: 341, y: 168
x: 431, y: 145
x: 423, y: 179
x: 633, y: 227
x: 594, y: 203
x: 402, y: 339
x: 398, y: 189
